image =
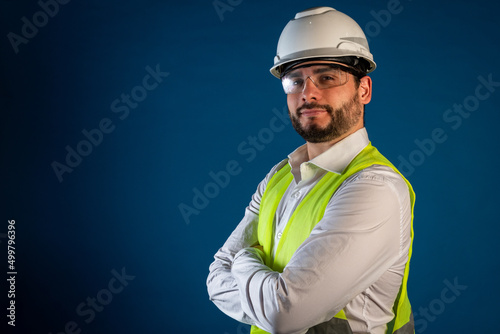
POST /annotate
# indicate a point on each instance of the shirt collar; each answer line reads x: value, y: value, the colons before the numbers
x: 336, y: 158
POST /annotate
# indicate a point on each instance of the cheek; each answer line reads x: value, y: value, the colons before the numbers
x: 292, y: 102
x: 338, y: 98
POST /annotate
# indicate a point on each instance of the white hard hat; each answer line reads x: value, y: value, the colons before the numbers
x: 321, y: 32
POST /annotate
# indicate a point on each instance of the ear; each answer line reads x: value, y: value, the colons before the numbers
x: 365, y: 89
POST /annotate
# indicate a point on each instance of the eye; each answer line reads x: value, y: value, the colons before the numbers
x: 297, y: 81
x: 329, y: 78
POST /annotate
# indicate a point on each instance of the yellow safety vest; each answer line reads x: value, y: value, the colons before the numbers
x: 309, y: 212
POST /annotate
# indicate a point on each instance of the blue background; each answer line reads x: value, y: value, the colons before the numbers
x: 119, y: 207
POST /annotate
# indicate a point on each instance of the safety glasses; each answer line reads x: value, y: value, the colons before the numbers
x: 322, y: 76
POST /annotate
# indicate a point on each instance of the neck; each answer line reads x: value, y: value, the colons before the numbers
x: 315, y: 149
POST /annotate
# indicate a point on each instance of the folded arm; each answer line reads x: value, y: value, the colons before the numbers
x: 358, y: 239
x: 221, y: 285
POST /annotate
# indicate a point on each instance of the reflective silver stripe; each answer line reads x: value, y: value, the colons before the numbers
x: 408, y: 328
x: 334, y: 326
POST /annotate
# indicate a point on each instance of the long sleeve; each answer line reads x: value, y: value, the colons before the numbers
x: 221, y: 285
x: 363, y: 235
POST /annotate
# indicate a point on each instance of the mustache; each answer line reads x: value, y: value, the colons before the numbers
x: 315, y: 105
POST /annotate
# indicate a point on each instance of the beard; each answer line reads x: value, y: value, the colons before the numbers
x: 341, y: 121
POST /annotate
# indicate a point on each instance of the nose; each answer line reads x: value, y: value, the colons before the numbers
x: 310, y: 91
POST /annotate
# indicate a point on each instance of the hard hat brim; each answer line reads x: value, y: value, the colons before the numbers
x: 312, y: 54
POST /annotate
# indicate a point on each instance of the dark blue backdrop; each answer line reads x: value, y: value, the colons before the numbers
x: 116, y: 115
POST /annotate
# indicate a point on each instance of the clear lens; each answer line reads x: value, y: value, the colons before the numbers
x: 323, y: 77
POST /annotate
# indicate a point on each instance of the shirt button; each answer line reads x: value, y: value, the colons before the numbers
x: 296, y: 195
x: 279, y: 235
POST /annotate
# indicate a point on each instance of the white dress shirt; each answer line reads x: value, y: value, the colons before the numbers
x: 354, y: 258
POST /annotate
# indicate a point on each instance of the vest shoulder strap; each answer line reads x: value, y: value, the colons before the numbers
x: 310, y: 211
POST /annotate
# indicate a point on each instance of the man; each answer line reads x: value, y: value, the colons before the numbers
x: 325, y: 244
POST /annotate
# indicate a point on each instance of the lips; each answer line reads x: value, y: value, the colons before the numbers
x: 312, y: 112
